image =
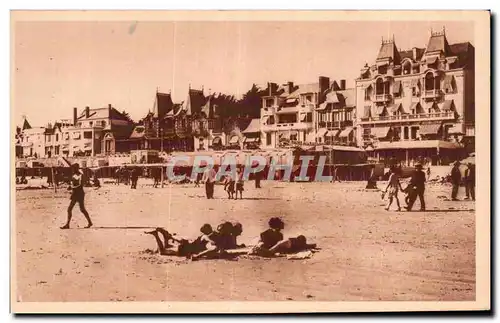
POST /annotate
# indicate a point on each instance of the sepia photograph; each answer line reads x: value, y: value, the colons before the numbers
x: 250, y: 162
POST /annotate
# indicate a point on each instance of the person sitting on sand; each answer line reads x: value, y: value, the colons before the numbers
x: 269, y: 238
x: 272, y: 242
x: 227, y: 234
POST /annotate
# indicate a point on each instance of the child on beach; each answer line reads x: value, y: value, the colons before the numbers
x: 239, y: 183
x: 229, y: 186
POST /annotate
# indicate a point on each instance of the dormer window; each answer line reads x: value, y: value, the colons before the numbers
x: 406, y: 68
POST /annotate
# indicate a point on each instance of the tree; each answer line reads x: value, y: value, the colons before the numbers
x: 251, y: 102
x: 127, y: 116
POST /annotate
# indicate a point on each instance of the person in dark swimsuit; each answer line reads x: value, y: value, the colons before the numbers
x: 227, y: 235
x: 77, y: 196
x: 269, y: 238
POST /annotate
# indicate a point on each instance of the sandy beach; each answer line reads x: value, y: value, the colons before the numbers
x: 366, y: 252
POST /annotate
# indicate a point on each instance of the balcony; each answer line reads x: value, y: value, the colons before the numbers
x: 382, y: 97
x: 335, y: 124
x: 288, y: 126
x: 431, y: 94
x: 450, y: 115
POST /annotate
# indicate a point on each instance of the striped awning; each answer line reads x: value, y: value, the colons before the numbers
x: 332, y: 133
x: 346, y: 132
x: 217, y: 141
x: 429, y: 129
x: 380, y: 132
x: 321, y: 132
x: 251, y: 140
x: 379, y: 109
x: 447, y: 105
x: 456, y: 129
x: 448, y: 83
x: 431, y: 60
x: 234, y: 140
x: 322, y: 106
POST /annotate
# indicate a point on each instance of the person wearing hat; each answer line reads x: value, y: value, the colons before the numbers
x: 77, y: 196
x: 417, y: 185
x: 456, y: 178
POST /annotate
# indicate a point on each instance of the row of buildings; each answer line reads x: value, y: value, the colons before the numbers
x: 417, y: 102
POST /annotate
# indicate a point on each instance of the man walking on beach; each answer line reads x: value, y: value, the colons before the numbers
x: 456, y: 178
x: 77, y: 196
x: 470, y: 182
x: 209, y: 177
x: 417, y: 184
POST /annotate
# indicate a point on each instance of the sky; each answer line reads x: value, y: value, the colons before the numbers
x: 61, y: 65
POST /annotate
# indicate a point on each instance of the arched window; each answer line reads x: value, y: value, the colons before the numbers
x: 406, y: 68
x: 429, y: 81
x: 379, y: 86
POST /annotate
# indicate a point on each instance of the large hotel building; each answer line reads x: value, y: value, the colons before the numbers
x: 417, y: 103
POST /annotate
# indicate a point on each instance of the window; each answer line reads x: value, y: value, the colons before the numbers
x: 269, y: 103
x: 368, y: 93
x: 406, y: 68
x: 288, y: 118
x: 57, y: 137
x: 103, y: 123
x: 79, y: 124
x: 414, y: 91
x: 48, y: 138
x: 309, y: 117
x: 91, y: 123
x: 308, y: 99
x: 76, y: 135
x: 268, y: 139
x: 348, y: 115
x: 66, y: 136
x: 293, y: 136
x: 87, y: 135
x: 414, y: 131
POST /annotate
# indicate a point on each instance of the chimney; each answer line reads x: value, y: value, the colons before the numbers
x: 342, y: 84
x: 290, y: 87
x: 324, y: 84
x: 87, y: 112
x: 273, y: 87
x: 74, y: 116
x: 109, y: 109
x: 414, y: 53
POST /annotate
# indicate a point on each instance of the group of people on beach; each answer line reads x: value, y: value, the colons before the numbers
x: 222, y: 242
x: 414, y: 189
x: 416, y: 186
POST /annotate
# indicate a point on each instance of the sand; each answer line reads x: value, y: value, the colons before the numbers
x: 367, y: 253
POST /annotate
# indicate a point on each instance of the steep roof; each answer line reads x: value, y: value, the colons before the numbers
x: 438, y: 43
x: 388, y: 50
x: 103, y: 113
x: 305, y: 88
x: 26, y: 124
x: 253, y: 126
x: 195, y: 101
x: 349, y: 97
x: 464, y: 52
x: 163, y: 104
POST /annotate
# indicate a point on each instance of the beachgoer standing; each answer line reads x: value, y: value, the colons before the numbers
x: 393, y: 187
x: 470, y: 182
x: 239, y: 183
x: 417, y: 187
x: 456, y: 178
x: 209, y: 177
x: 77, y: 196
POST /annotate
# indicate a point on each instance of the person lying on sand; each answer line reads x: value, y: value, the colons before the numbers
x: 272, y: 242
x: 203, y: 246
